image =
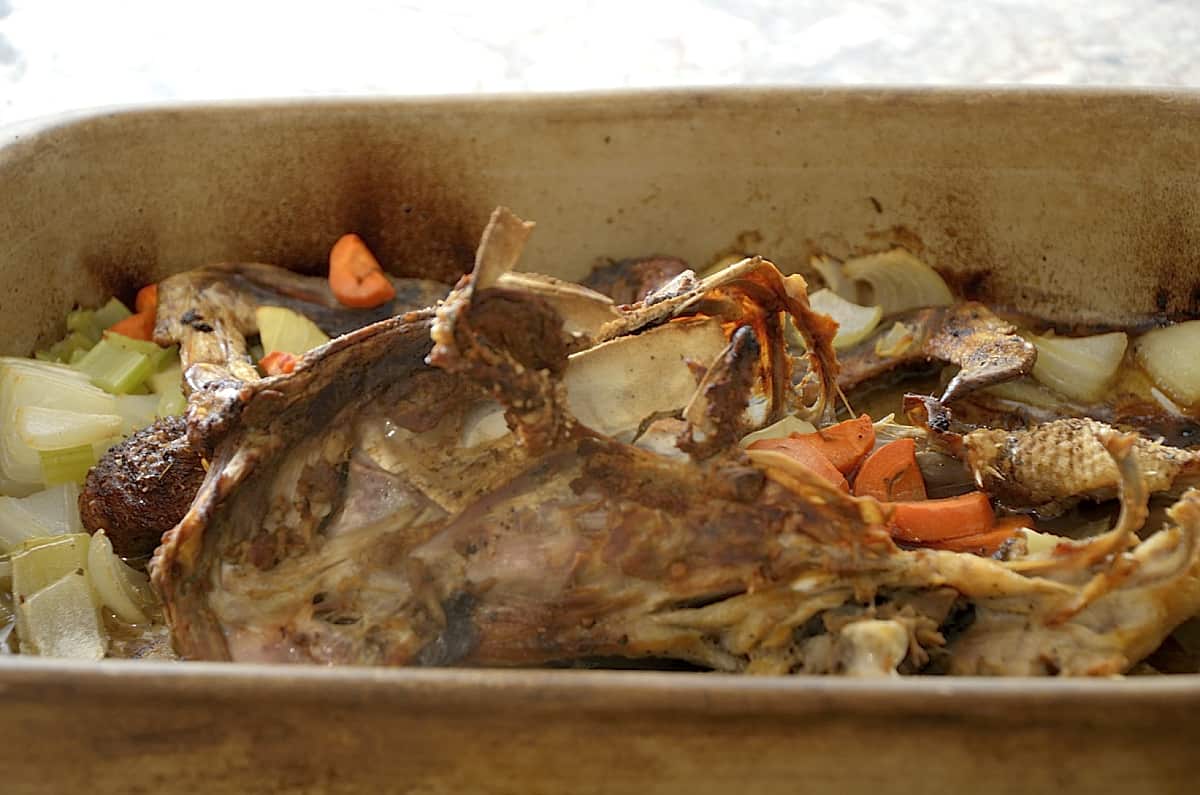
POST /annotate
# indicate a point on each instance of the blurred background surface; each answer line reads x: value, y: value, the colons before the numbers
x: 63, y: 54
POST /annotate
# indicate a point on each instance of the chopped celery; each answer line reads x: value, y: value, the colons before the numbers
x: 76, y: 357
x: 45, y: 356
x: 112, y: 312
x: 40, y: 561
x: 115, y: 369
x: 137, y: 411
x: 55, y: 429
x: 5, y: 574
x: 69, y: 465
x: 25, y: 382
x: 159, y: 357
x: 74, y: 341
x: 284, y: 330
x: 61, y: 620
x: 84, y: 322
x: 169, y: 379
x: 171, y: 404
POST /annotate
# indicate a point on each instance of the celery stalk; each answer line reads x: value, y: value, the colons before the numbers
x: 169, y: 379
x: 112, y: 312
x: 159, y: 357
x: 84, y: 322
x: 171, y: 404
x: 115, y: 369
x: 69, y: 465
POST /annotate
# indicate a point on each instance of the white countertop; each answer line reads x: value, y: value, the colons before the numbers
x: 63, y: 54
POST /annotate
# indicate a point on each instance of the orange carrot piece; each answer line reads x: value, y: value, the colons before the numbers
x: 278, y: 363
x: 139, y: 326
x: 981, y: 543
x: 891, y: 474
x: 807, y: 455
x: 845, y: 444
x: 355, y: 276
x: 925, y: 521
x: 147, y: 299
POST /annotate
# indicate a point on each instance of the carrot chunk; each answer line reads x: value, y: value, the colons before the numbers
x: 981, y: 543
x: 139, y: 326
x: 355, y: 276
x: 806, y: 455
x: 924, y: 521
x: 891, y: 474
x: 844, y: 445
x: 147, y: 299
x: 278, y: 363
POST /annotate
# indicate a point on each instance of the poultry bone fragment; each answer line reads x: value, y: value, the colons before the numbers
x: 986, y: 348
x: 342, y: 522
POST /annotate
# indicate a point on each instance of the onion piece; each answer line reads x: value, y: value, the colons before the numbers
x: 120, y: 588
x: 1171, y: 356
x: 20, y: 522
x: 778, y: 430
x: 897, y: 281
x: 835, y: 277
x: 283, y: 330
x: 53, y: 429
x: 1081, y: 368
x: 855, y: 322
x: 61, y: 620
x: 56, y: 507
x: 1027, y: 392
x: 614, y: 386
x: 26, y: 382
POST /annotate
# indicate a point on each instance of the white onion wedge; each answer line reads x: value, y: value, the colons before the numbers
x: 1081, y: 368
x: 26, y: 382
x: 1171, y: 357
x: 615, y: 385
x: 897, y: 281
x: 54, y: 429
x: 120, y: 588
x: 61, y: 620
x: 855, y: 322
x: 834, y: 274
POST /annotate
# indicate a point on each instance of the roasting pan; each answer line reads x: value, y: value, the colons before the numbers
x: 1082, y: 205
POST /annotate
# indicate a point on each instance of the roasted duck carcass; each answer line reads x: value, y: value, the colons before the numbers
x: 522, y: 476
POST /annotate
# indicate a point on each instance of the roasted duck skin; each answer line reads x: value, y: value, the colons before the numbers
x: 343, y: 521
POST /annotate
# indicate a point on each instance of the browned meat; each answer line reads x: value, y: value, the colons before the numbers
x: 628, y: 281
x: 987, y: 349
x: 142, y: 487
x: 343, y: 521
